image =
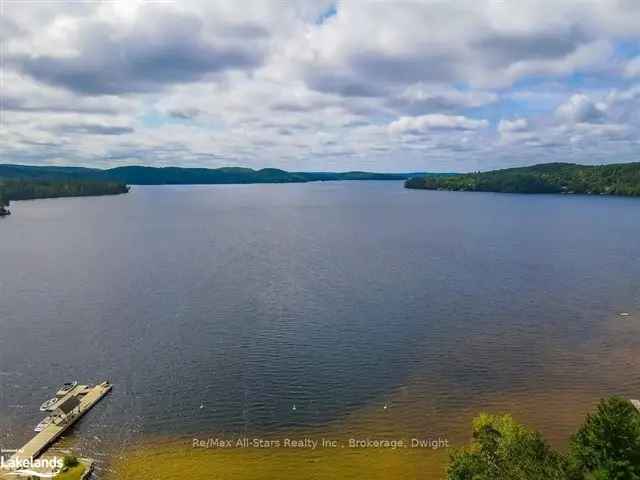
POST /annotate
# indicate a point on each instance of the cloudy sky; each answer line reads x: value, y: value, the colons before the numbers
x: 449, y: 85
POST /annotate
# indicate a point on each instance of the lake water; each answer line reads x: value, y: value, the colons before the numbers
x: 333, y: 309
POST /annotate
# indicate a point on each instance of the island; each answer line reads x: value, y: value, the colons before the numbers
x: 567, y: 178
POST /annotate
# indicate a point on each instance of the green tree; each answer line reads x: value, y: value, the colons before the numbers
x: 502, y: 449
x: 607, y: 447
x: 70, y: 461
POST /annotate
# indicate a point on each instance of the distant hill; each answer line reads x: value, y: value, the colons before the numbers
x: 138, y: 175
x: 613, y: 179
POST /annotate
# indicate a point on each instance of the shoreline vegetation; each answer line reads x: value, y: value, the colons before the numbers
x: 20, y: 189
x: 565, y: 178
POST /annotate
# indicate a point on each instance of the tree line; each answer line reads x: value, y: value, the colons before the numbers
x: 614, y: 179
x: 21, y: 189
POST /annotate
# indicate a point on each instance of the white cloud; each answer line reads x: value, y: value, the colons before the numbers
x: 581, y: 109
x: 425, y: 123
x: 420, y: 98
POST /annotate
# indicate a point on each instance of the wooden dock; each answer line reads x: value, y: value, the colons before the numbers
x: 88, y: 398
x: 635, y: 403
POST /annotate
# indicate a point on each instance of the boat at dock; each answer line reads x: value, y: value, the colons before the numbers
x: 66, y: 388
x: 44, y: 424
x: 47, y: 406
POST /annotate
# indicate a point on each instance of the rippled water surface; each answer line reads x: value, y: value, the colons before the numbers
x: 340, y: 309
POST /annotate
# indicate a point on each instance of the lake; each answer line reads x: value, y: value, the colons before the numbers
x: 332, y: 310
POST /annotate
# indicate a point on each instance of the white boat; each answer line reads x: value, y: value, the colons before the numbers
x: 66, y: 388
x: 43, y: 424
x: 46, y: 406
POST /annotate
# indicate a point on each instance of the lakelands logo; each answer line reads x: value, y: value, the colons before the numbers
x: 23, y: 467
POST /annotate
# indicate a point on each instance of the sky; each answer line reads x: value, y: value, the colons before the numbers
x: 308, y: 85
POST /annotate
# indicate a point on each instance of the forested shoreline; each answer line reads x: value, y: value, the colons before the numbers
x: 614, y: 179
x: 20, y: 189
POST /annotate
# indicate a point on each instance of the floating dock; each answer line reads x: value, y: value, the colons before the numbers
x: 71, y: 407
